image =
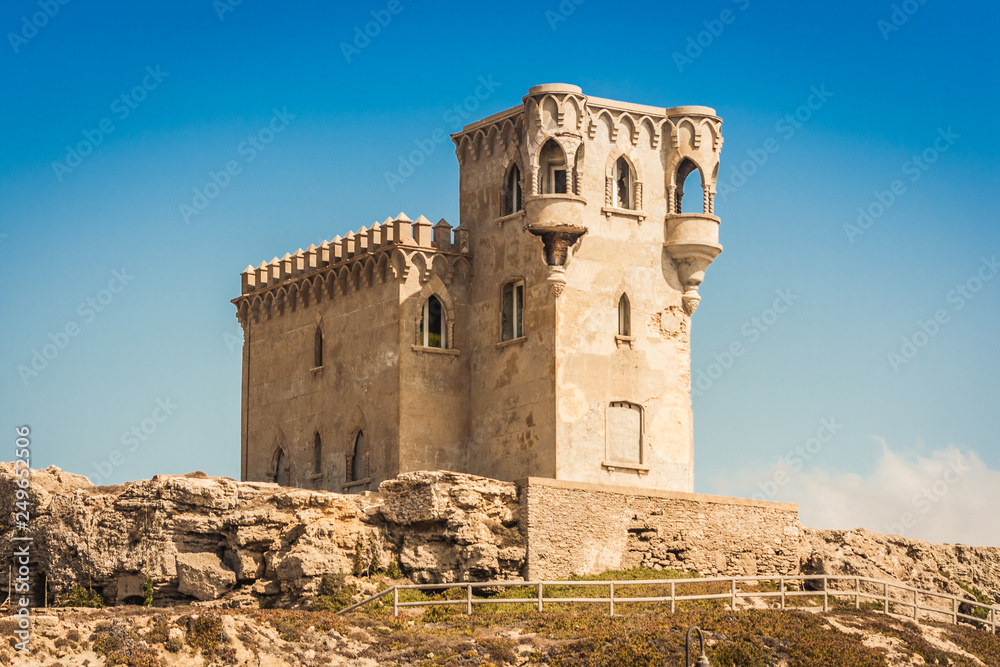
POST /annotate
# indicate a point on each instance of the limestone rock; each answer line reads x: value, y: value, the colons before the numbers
x: 934, y: 567
x: 202, y: 576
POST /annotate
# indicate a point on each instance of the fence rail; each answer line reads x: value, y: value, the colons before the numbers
x: 784, y: 593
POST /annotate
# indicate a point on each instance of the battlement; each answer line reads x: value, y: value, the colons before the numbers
x: 384, y: 251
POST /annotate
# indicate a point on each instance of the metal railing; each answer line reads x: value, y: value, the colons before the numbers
x: 858, y: 593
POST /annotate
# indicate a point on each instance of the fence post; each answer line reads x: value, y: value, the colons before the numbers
x: 885, y: 598
x: 673, y: 599
x: 954, y: 610
x: 539, y: 596
x: 826, y: 596
x: 916, y: 609
x: 733, y: 592
x: 993, y: 619
x: 611, y: 599
x: 857, y: 592
x: 468, y: 599
x: 781, y: 582
x: 395, y: 601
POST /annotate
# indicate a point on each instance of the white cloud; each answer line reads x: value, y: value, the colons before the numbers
x: 946, y: 496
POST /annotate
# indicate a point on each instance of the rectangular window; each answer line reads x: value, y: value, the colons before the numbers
x: 558, y: 180
x: 624, y: 436
x: 511, y: 311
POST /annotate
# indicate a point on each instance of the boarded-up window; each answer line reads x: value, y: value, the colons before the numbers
x: 624, y: 432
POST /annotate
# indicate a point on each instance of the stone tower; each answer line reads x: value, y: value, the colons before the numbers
x: 548, y: 335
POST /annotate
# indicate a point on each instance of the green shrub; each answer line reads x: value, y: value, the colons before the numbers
x: 80, y: 597
x: 134, y: 657
x: 334, y: 594
x: 980, y: 597
x: 394, y: 571
x: 147, y: 592
x: 207, y: 635
x: 739, y: 654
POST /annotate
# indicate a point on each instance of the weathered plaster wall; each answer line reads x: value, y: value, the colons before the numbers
x: 434, y: 383
x: 622, y: 254
x: 512, y: 384
x: 356, y: 388
x: 587, y: 529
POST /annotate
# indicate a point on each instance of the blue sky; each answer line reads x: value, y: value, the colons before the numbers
x: 896, y: 81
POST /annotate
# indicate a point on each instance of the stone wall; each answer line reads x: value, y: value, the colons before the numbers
x: 588, y: 528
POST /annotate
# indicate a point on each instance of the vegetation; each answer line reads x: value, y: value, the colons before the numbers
x: 502, y: 632
x: 334, y: 594
x: 980, y: 597
x: 80, y: 597
x: 147, y: 592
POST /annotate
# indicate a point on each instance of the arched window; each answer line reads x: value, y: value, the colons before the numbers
x: 318, y: 348
x: 359, y: 458
x: 684, y: 169
x: 433, y: 330
x: 623, y: 183
x: 512, y: 191
x: 624, y: 316
x: 552, y: 169
x: 317, y: 454
x: 512, y: 310
x: 279, y: 468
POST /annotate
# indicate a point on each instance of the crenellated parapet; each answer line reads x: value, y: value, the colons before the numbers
x: 392, y: 250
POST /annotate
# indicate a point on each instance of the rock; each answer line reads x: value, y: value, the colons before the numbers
x: 934, y: 567
x: 203, y: 576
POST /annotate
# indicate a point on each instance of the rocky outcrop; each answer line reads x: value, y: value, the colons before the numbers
x: 207, y: 538
x: 455, y: 527
x: 949, y: 568
x: 202, y: 576
x: 198, y: 537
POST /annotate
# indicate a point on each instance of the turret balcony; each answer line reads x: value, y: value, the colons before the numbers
x: 558, y: 220
x: 692, y: 239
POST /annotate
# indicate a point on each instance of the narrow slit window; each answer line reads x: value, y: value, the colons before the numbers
x: 317, y: 454
x: 359, y: 458
x: 432, y: 324
x: 623, y: 183
x: 318, y: 348
x: 512, y: 311
x: 624, y: 316
x: 512, y: 191
x: 280, y: 474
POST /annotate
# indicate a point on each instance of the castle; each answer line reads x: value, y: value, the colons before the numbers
x: 547, y: 335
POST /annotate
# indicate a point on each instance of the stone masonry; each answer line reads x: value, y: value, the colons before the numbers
x: 546, y: 335
x: 588, y: 528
